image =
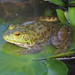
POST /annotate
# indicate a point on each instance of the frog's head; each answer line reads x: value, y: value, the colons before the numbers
x: 16, y: 34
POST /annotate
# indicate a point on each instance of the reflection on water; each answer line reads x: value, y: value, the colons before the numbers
x: 18, y: 10
x: 13, y: 11
x: 21, y: 10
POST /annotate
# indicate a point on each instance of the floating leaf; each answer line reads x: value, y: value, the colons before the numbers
x: 61, y: 16
x: 11, y: 65
x: 48, y: 12
x: 56, y: 67
x: 71, y: 15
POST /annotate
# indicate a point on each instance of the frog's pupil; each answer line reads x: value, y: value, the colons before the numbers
x: 17, y: 34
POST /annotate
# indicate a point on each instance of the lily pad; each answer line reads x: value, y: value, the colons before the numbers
x: 56, y: 67
x: 61, y: 16
x: 11, y: 65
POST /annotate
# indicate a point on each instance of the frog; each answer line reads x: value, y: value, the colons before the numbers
x: 34, y: 35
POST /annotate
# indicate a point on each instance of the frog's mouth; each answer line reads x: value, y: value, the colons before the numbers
x: 10, y: 41
x: 21, y: 44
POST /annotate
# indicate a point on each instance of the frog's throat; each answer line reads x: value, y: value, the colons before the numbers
x: 21, y: 44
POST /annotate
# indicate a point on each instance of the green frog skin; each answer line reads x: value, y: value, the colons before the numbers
x: 34, y: 35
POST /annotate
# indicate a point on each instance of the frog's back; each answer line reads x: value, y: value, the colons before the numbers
x: 41, y: 30
x: 35, y: 34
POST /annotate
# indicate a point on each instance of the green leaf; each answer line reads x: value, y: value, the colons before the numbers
x: 61, y: 16
x: 57, y: 2
x: 56, y: 67
x: 11, y: 65
x: 71, y: 1
x: 71, y: 15
x: 72, y: 47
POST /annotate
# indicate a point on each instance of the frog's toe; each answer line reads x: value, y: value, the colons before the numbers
x: 21, y: 51
x: 24, y: 51
x: 59, y: 51
x: 29, y: 51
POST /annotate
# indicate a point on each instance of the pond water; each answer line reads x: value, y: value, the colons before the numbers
x: 10, y: 62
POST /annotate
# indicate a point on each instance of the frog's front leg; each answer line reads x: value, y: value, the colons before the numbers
x: 33, y: 49
x: 62, y: 39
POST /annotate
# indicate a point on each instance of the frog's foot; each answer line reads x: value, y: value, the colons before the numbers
x: 59, y: 51
x: 62, y: 40
x: 31, y: 50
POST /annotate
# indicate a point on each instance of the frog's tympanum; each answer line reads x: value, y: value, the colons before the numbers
x: 34, y: 35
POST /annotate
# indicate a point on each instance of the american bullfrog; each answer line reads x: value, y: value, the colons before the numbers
x: 34, y: 35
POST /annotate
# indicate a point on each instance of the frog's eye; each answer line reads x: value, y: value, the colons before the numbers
x: 11, y: 27
x: 17, y: 33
